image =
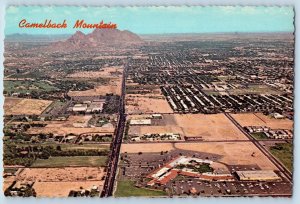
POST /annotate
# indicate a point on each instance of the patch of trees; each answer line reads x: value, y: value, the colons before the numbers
x: 111, y: 104
x: 26, y: 155
x: 23, y: 191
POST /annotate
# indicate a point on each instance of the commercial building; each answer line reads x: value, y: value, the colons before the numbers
x: 170, y: 171
x: 258, y: 175
x: 79, y: 107
x: 140, y: 122
x: 157, y: 116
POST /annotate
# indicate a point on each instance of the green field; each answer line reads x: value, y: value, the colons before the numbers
x: 284, y: 152
x: 71, y: 161
x: 259, y: 135
x: 84, y: 146
x: 127, y: 188
x: 27, y: 86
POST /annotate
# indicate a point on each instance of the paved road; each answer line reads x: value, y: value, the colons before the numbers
x: 276, y: 162
x: 203, y: 141
x: 116, y: 145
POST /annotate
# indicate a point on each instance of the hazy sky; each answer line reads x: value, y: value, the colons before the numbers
x: 152, y: 20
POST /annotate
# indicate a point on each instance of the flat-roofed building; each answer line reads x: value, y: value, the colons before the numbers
x: 140, y: 122
x: 258, y: 175
x: 157, y: 116
x: 79, y: 107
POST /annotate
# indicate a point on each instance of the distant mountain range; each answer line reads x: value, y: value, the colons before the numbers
x: 115, y: 37
x: 79, y: 40
x: 17, y: 37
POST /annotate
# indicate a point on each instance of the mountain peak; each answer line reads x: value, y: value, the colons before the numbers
x: 99, y: 38
x: 79, y: 33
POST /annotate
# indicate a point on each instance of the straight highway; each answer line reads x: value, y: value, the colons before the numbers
x: 116, y: 144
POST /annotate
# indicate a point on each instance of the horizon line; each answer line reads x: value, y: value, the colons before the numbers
x: 223, y: 32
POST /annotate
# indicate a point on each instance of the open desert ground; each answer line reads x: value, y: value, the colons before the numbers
x: 57, y: 182
x: 232, y: 153
x: 70, y: 126
x: 61, y: 174
x: 62, y: 189
x: 137, y: 104
x: 212, y: 127
x: 106, y: 72
x: 209, y: 127
x: 259, y: 119
x: 114, y: 87
x: 20, y: 106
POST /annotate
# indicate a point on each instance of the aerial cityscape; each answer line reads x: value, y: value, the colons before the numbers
x: 112, y: 112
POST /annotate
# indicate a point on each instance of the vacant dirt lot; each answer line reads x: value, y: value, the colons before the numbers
x: 7, y: 182
x: 137, y: 104
x: 76, y: 120
x: 62, y: 189
x: 259, y: 119
x: 234, y: 153
x: 60, y: 130
x: 9, y: 102
x: 149, y: 147
x: 114, y: 87
x: 74, y: 124
x: 61, y: 174
x: 209, y: 127
x: 25, y: 106
x: 103, y: 73
x: 57, y: 182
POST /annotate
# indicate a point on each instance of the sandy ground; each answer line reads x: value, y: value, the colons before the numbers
x: 7, y: 182
x: 57, y: 182
x: 61, y: 174
x: 259, y: 119
x: 114, y: 87
x: 103, y: 73
x: 147, y: 147
x: 208, y: 126
x: 69, y: 126
x: 9, y: 102
x: 238, y: 153
x: 140, y: 130
x: 25, y: 106
x: 136, y: 117
x: 136, y: 104
x: 77, y: 119
x: 58, y: 129
x: 62, y: 189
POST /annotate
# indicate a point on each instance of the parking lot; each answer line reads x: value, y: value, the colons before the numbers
x: 203, y: 188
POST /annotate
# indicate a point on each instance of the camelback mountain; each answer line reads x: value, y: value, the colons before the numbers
x: 98, y: 38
